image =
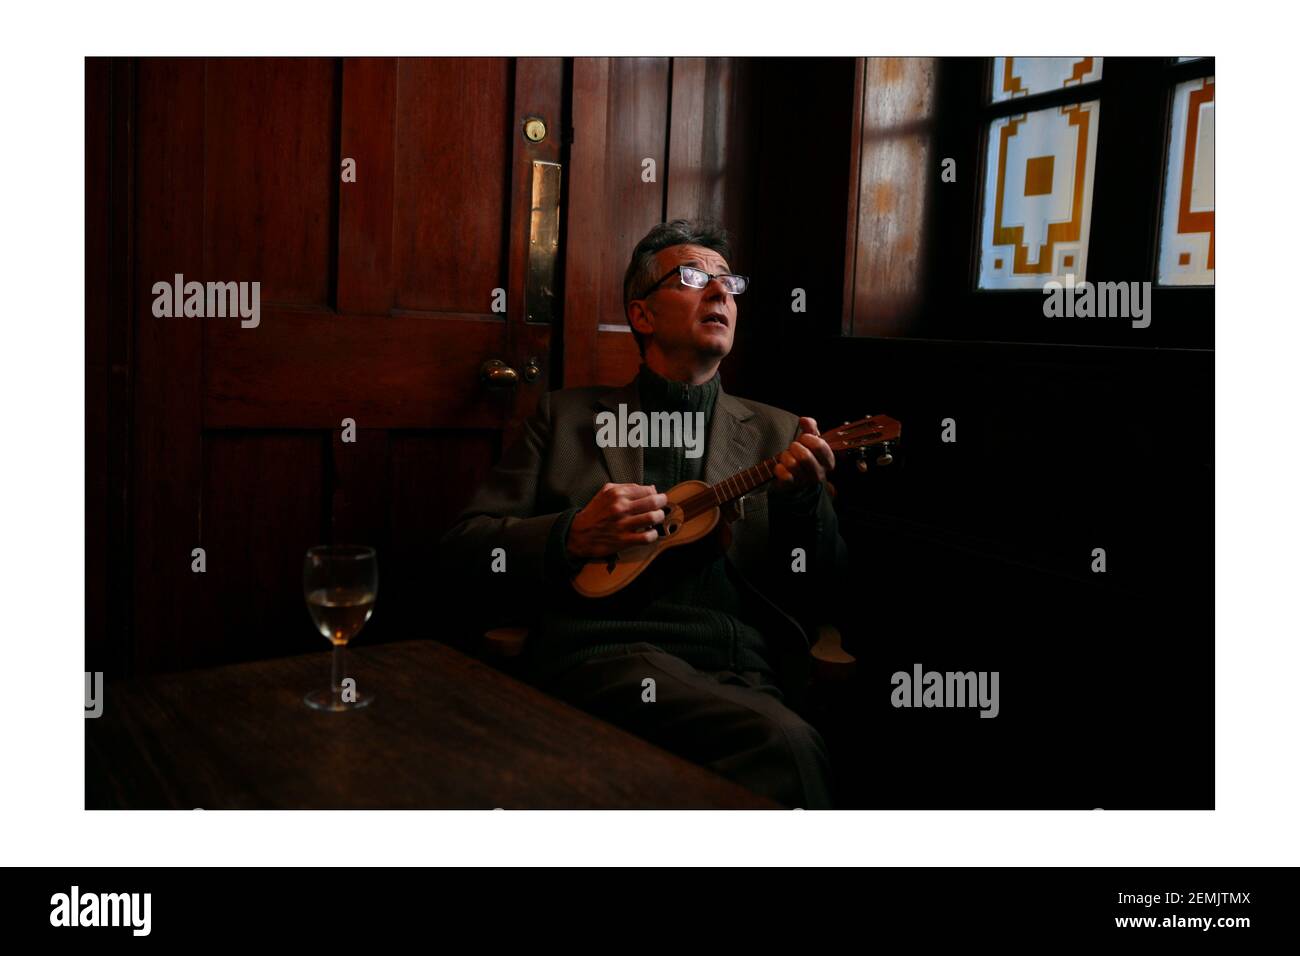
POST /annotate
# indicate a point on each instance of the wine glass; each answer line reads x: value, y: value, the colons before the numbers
x: 340, y: 584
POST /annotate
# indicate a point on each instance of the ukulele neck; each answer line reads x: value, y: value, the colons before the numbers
x: 875, y: 430
x: 729, y: 489
x: 738, y: 485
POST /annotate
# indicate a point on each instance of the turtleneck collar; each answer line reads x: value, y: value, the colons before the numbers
x: 662, y: 394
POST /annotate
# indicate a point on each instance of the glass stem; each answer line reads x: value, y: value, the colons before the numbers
x: 336, y: 671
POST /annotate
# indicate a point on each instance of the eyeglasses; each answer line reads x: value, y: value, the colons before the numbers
x: 697, y: 279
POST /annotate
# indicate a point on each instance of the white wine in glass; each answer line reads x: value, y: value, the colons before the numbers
x: 340, y: 613
x: 340, y: 584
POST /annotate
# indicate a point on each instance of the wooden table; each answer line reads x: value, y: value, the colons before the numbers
x: 445, y: 731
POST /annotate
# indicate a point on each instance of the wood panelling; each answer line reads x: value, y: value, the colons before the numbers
x: 365, y: 266
x: 606, y: 168
x: 262, y: 510
x: 432, y: 475
x: 617, y: 357
x: 586, y: 270
x: 637, y: 130
x: 892, y: 177
x: 168, y: 359
x: 452, y: 184
x: 270, y: 175
x: 712, y: 174
x: 358, y: 485
x: 712, y: 141
x: 696, y: 118
x: 688, y: 182
x: 99, y: 169
x: 109, y: 197
x: 121, y: 306
x: 312, y: 369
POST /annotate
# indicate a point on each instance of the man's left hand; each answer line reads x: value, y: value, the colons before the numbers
x: 805, y: 462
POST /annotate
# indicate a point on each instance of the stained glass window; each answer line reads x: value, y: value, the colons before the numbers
x: 1038, y: 196
x: 1026, y: 75
x: 1187, y: 221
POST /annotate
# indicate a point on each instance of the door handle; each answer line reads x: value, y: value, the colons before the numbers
x: 497, y: 374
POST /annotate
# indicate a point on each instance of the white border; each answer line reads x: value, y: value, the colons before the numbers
x: 1256, y: 632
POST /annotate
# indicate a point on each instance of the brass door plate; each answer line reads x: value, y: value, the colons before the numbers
x: 543, y: 241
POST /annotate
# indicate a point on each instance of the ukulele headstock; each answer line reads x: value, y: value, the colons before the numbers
x: 874, y: 430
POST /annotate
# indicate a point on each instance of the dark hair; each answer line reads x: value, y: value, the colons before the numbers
x: 640, y: 273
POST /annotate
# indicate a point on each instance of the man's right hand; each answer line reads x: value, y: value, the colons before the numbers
x: 619, y: 517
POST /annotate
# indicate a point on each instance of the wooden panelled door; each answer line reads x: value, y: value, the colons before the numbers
x: 377, y: 305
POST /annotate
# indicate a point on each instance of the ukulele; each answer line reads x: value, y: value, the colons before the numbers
x: 694, y: 507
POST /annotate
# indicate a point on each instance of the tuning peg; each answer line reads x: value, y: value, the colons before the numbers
x: 886, y: 455
x: 862, y: 459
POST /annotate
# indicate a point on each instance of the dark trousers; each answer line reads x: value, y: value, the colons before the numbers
x: 734, y: 723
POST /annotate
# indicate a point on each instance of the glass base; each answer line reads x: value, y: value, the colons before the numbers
x: 328, y: 699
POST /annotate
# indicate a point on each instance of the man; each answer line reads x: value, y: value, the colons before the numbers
x: 694, y: 653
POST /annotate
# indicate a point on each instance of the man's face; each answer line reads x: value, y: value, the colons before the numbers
x: 686, y: 320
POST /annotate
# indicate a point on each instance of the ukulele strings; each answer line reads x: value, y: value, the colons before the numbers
x: 740, y: 484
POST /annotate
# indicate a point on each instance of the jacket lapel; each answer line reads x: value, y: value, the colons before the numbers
x: 731, y: 439
x: 625, y: 465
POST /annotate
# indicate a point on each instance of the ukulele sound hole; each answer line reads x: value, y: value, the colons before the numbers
x: 672, y: 521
